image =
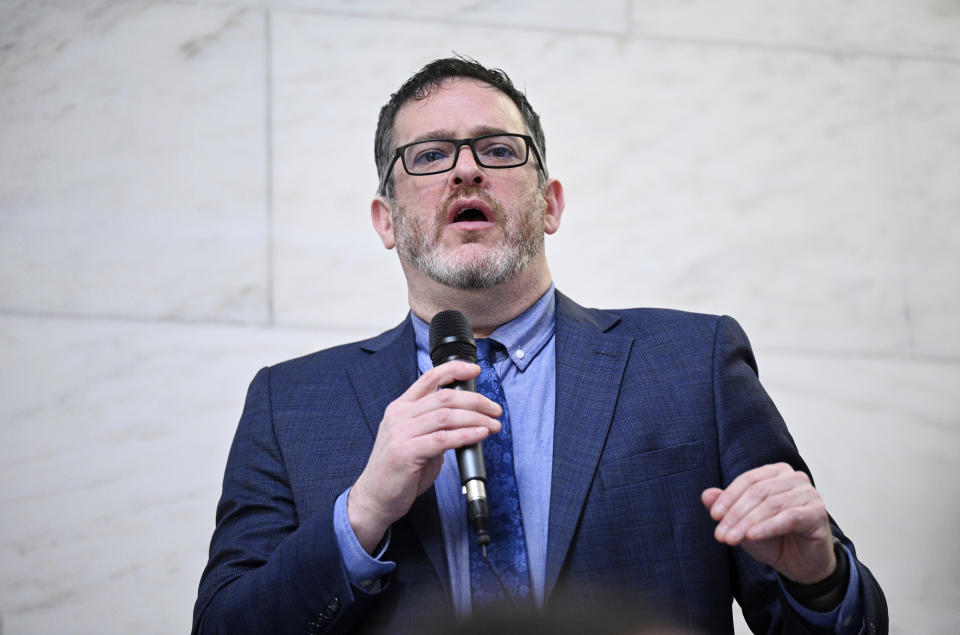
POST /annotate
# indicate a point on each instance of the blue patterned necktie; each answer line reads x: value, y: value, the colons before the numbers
x: 507, y: 551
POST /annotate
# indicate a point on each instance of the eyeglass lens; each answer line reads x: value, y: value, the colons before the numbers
x: 434, y: 155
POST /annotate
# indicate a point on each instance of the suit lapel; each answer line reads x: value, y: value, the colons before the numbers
x: 386, y: 374
x: 378, y: 380
x: 590, y: 365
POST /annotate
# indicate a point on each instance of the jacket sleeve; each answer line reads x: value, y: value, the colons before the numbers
x: 752, y: 433
x: 270, y: 571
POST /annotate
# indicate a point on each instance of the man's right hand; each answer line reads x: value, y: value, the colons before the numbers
x: 417, y: 428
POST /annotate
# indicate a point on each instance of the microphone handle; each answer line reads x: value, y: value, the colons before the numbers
x: 473, y: 476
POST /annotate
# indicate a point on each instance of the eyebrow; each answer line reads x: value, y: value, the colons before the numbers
x: 447, y: 133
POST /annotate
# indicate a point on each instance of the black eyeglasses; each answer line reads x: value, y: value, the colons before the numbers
x: 434, y: 156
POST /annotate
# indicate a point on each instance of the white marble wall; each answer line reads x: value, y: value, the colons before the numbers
x: 184, y: 190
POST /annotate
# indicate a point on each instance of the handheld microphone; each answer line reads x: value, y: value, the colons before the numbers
x: 452, y: 338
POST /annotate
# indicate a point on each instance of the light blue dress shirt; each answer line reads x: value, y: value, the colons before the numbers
x: 526, y: 366
x: 527, y: 369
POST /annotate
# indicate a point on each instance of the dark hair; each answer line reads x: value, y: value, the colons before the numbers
x: 428, y: 79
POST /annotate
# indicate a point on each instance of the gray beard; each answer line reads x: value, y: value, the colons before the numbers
x: 423, y: 249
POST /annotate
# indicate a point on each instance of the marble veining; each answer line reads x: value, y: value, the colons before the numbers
x: 184, y: 198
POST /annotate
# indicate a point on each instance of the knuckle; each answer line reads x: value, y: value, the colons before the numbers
x: 759, y: 491
x: 397, y: 407
x: 442, y: 417
x: 769, y: 500
x: 429, y: 378
x: 440, y: 439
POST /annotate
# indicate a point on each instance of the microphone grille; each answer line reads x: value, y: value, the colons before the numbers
x: 451, y: 338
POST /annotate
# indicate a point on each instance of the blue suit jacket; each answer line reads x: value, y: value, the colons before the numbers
x: 652, y: 407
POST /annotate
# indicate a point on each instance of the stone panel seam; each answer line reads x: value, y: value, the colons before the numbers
x: 841, y: 53
x: 268, y: 114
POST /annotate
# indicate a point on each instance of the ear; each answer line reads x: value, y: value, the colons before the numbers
x: 553, y: 194
x: 380, y: 214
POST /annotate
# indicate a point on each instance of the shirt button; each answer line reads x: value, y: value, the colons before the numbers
x: 520, y: 353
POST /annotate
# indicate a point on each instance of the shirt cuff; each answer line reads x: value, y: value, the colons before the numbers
x: 847, y: 617
x: 363, y: 570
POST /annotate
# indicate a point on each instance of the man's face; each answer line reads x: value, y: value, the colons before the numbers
x: 471, y: 227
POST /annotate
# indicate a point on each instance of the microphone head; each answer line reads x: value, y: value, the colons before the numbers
x: 451, y: 338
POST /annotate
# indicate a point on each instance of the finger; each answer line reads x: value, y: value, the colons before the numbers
x: 451, y: 419
x: 457, y: 400
x: 440, y: 441
x: 754, y: 497
x: 439, y: 376
x: 740, y: 484
x: 774, y: 505
x: 710, y: 496
x: 809, y: 520
x: 410, y: 447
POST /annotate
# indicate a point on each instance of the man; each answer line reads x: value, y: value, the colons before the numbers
x: 649, y: 463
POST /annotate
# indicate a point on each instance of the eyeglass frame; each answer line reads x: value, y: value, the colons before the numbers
x: 459, y: 143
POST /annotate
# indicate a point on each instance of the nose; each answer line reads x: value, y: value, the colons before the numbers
x: 466, y: 170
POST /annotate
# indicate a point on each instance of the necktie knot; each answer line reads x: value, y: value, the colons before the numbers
x: 484, y: 350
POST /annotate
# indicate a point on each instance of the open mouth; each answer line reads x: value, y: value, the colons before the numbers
x: 470, y: 214
x: 475, y: 211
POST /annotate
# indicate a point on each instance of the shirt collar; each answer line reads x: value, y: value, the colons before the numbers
x: 523, y: 337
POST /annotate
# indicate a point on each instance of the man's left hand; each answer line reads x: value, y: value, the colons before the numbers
x: 778, y: 518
